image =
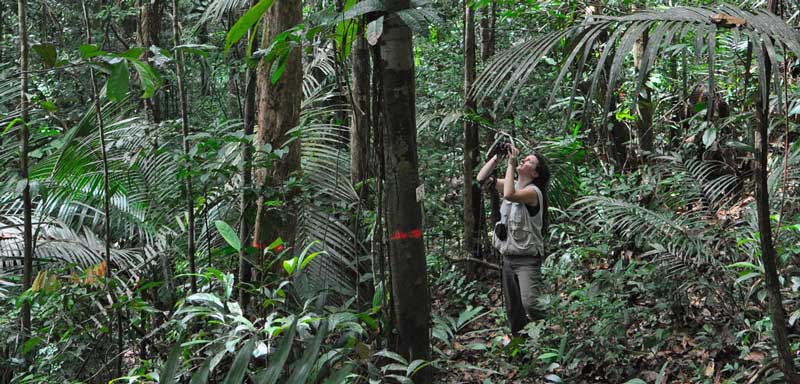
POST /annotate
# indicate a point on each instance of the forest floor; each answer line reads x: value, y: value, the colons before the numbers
x: 495, y: 362
x: 642, y: 345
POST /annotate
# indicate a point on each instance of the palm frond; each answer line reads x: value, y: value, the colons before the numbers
x: 217, y: 9
x: 57, y: 244
x: 686, y: 236
x: 507, y: 74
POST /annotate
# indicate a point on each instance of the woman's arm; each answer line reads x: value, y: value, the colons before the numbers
x: 487, y: 169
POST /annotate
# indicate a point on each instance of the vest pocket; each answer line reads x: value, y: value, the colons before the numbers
x: 519, y: 227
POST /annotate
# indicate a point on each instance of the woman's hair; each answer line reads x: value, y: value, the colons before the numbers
x: 541, y: 182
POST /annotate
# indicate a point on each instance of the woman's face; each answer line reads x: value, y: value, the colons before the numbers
x: 528, y: 166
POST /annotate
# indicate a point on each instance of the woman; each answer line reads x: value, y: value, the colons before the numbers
x: 519, y: 235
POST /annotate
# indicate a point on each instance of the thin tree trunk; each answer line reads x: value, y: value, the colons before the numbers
x: 106, y: 189
x: 644, y: 122
x: 246, y: 196
x: 278, y: 112
x: 27, y: 255
x: 190, y: 246
x: 776, y: 311
x: 410, y: 295
x: 471, y: 210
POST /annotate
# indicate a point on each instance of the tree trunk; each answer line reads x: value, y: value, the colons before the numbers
x: 246, y: 196
x: 488, y: 20
x: 190, y: 246
x: 27, y: 206
x: 150, y: 14
x: 278, y: 112
x: 471, y: 147
x: 106, y: 191
x: 410, y: 295
x: 359, y: 132
x: 644, y: 122
x: 776, y: 311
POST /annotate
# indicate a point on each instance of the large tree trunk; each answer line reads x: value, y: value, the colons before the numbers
x: 472, y: 192
x: 150, y: 14
x: 410, y: 295
x: 359, y: 131
x: 776, y: 311
x: 190, y: 245
x: 278, y: 112
x: 27, y: 251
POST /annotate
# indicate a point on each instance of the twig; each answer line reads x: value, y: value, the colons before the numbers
x: 474, y: 260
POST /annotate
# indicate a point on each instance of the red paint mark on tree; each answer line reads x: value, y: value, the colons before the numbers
x: 413, y: 234
x: 399, y: 236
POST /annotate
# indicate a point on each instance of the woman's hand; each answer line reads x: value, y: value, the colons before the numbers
x: 513, y: 152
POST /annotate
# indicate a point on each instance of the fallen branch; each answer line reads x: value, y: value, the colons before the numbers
x: 474, y: 260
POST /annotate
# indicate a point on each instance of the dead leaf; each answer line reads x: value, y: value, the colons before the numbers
x: 755, y: 356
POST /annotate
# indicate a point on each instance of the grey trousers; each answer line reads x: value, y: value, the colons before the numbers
x: 522, y: 287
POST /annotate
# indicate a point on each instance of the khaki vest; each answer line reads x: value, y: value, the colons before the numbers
x: 524, y: 231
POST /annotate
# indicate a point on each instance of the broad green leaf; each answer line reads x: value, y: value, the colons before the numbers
x: 278, y: 68
x: 547, y: 356
x: 392, y: 355
x: 90, y: 50
x: 229, y: 234
x: 239, y: 367
x: 304, y: 365
x: 289, y: 265
x: 415, y: 366
x: 167, y: 373
x: 340, y: 375
x: 207, y: 298
x: 307, y: 259
x: 201, y: 376
x: 709, y: 136
x: 278, y: 360
x: 47, y: 52
x: 132, y: 53
x: 249, y: 19
x: 196, y: 49
x: 636, y: 381
x: 149, y: 78
x: 118, y: 81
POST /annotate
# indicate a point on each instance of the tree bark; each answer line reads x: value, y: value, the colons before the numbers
x: 278, y: 112
x: 190, y: 245
x: 359, y: 132
x: 246, y: 196
x: 488, y: 20
x: 471, y: 191
x: 410, y: 295
x: 27, y: 206
x: 644, y: 106
x: 776, y: 311
x: 150, y: 14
